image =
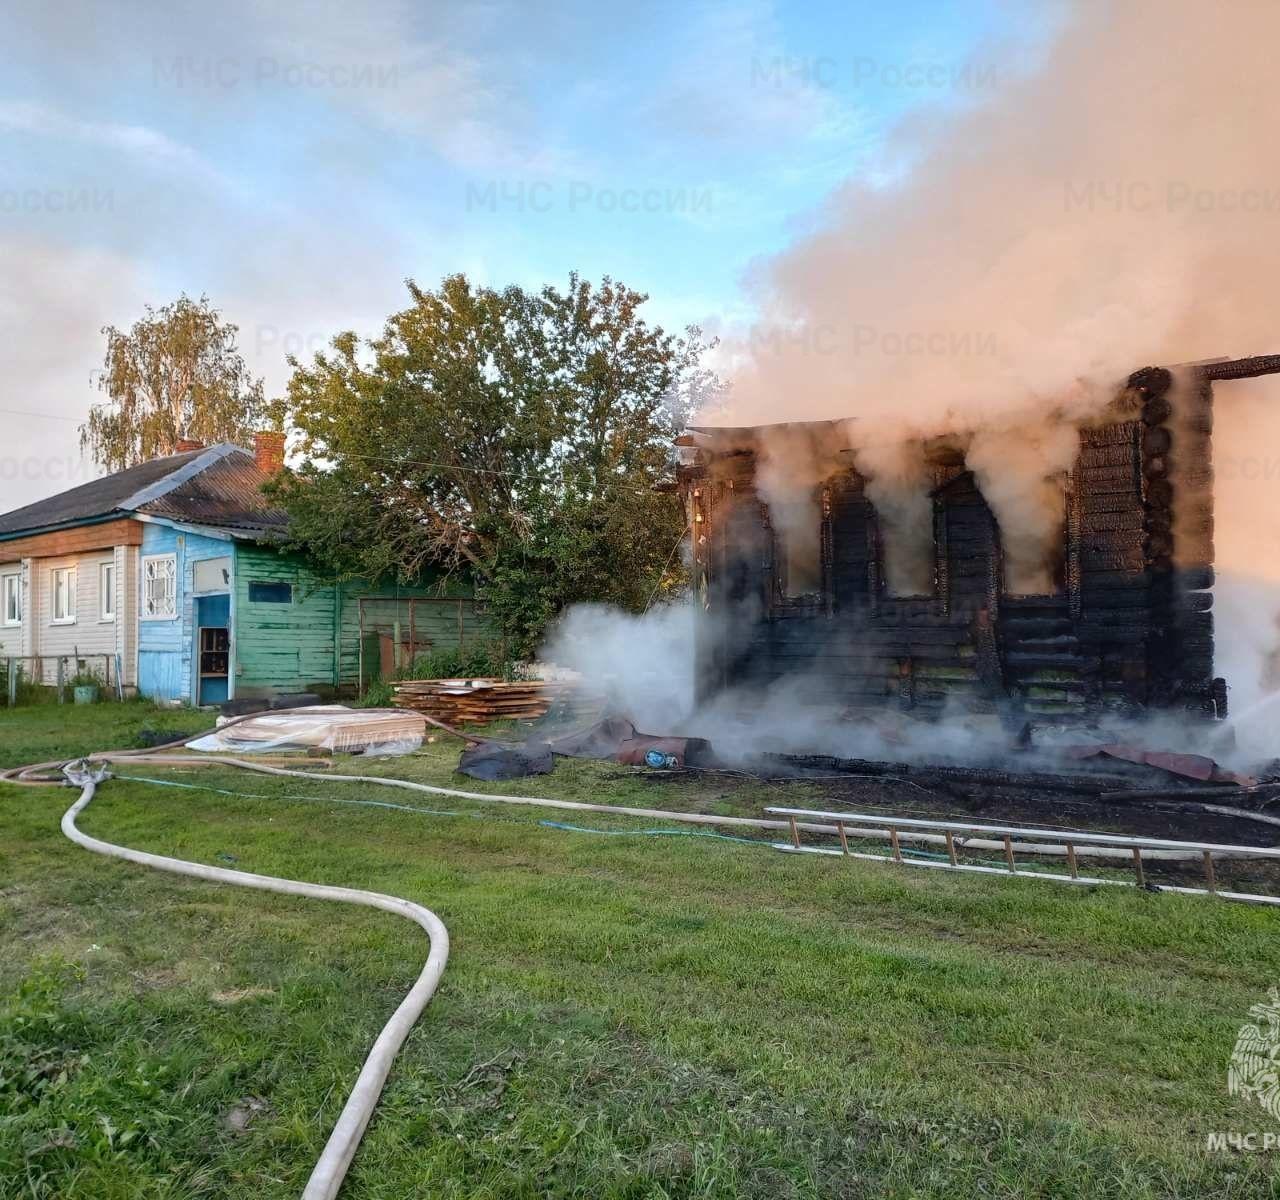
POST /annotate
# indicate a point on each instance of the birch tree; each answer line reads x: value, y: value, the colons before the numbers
x: 176, y: 373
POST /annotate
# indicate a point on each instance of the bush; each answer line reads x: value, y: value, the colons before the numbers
x: 376, y: 695
x: 480, y: 659
x: 28, y: 692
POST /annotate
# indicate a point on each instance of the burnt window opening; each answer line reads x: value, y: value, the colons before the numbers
x: 797, y: 527
x: 907, y: 551
x: 802, y: 566
x: 851, y: 530
x: 1034, y: 551
x: 905, y: 546
x: 745, y: 557
x: 966, y: 546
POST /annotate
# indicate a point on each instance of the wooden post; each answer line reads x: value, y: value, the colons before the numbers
x: 62, y: 662
x: 795, y: 833
x: 896, y: 844
x: 951, y: 847
x: 844, y: 838
x: 1008, y: 851
x: 13, y: 681
x: 1209, y: 873
x: 1137, y: 866
x: 119, y: 679
x: 1072, y: 865
x: 360, y: 646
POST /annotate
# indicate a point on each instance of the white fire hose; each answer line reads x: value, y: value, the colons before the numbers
x: 660, y: 814
x: 331, y: 1168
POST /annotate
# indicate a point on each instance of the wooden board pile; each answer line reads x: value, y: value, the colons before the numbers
x: 480, y: 701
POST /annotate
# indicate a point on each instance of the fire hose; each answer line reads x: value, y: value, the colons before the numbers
x: 331, y: 1168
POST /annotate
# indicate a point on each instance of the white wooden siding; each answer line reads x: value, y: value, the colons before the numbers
x: 88, y: 635
x: 10, y: 635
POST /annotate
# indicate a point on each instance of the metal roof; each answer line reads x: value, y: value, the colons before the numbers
x: 226, y: 494
x: 98, y: 498
x: 218, y: 486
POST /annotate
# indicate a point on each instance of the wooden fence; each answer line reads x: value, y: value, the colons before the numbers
x: 35, y: 669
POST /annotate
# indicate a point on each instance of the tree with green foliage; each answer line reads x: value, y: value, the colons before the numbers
x: 524, y: 437
x: 177, y: 373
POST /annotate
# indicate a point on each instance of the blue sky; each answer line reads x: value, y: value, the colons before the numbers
x: 297, y: 162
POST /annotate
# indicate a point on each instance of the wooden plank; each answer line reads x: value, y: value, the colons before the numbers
x: 79, y: 540
x: 1113, y: 560
x: 1107, y: 454
x: 1130, y: 517
x: 1103, y: 435
x: 1117, y: 481
x: 1108, y: 501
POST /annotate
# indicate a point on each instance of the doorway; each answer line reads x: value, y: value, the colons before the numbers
x: 213, y: 649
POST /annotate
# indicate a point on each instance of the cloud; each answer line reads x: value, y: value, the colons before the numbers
x: 148, y: 145
x: 53, y: 302
x: 738, y: 90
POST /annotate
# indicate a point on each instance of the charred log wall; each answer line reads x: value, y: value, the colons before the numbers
x: 1129, y: 629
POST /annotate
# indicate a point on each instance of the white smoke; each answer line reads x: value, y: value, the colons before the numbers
x: 1021, y: 471
x: 898, y: 484
x: 642, y: 664
x: 1118, y: 208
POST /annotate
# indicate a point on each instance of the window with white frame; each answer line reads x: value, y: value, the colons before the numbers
x: 11, y: 595
x: 159, y: 587
x: 64, y: 595
x: 107, y: 591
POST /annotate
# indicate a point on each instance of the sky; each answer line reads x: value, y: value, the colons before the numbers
x: 297, y: 162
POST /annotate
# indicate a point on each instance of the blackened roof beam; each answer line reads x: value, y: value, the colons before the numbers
x: 1241, y: 368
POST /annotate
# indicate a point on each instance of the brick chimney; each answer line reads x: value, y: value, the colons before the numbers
x: 268, y: 451
x: 187, y: 444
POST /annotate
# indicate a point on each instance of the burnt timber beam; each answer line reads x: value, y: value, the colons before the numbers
x: 1241, y: 368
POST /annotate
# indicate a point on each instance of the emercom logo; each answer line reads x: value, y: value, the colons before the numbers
x: 1254, y: 1074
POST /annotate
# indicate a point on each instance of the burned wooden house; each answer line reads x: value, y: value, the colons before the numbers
x: 1126, y: 625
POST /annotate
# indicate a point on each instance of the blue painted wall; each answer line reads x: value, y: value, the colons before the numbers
x: 312, y: 641
x: 166, y: 657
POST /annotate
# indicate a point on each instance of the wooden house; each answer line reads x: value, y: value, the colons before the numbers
x: 1126, y: 626
x: 171, y: 576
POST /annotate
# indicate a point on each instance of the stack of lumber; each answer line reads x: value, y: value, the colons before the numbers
x: 479, y: 701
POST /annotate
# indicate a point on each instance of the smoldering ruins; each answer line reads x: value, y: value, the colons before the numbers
x: 960, y: 574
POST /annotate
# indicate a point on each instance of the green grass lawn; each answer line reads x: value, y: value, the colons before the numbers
x: 622, y: 1016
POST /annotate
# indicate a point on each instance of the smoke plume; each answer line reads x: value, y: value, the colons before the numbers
x: 1116, y: 207
x: 792, y: 460
x: 898, y: 484
x: 1021, y: 471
